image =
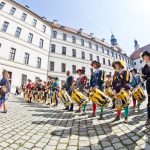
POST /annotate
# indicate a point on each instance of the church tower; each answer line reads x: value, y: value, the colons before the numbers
x: 136, y: 45
x: 113, y: 40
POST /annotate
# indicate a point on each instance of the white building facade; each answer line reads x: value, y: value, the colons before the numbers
x: 24, y: 43
x: 32, y: 47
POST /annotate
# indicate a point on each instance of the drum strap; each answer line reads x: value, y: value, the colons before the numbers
x: 135, y: 80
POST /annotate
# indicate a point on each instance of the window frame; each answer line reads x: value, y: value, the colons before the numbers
x: 23, y: 17
x: 4, y: 27
x: 30, y: 38
x: 2, y: 4
x: 52, y: 66
x: 26, y: 58
x: 41, y: 43
x: 12, y: 11
x: 18, y: 32
x: 39, y: 62
x: 12, y: 54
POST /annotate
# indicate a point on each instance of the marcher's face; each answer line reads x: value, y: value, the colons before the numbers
x: 6, y: 75
x: 117, y: 66
x: 146, y: 58
x: 95, y: 66
x: 79, y: 73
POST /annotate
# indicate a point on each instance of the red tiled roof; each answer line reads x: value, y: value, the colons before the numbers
x: 136, y: 54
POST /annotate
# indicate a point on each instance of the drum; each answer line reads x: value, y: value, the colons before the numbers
x: 100, y: 98
x: 78, y: 98
x: 138, y: 94
x: 63, y: 95
x: 122, y: 99
x: 109, y: 92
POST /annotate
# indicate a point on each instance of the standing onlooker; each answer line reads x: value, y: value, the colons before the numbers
x: 4, y: 90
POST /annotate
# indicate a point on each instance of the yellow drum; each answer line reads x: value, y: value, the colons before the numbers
x: 63, y: 95
x: 100, y: 98
x: 122, y: 99
x: 138, y: 94
x: 109, y: 92
x: 78, y: 98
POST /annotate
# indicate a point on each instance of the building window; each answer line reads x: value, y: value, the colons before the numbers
x: 26, y: 58
x: 53, y: 47
x: 12, y: 11
x: 140, y: 61
x: 73, y: 39
x: 102, y: 49
x: 104, y: 61
x: 41, y: 43
x: 39, y: 62
x: 2, y: 5
x: 30, y: 37
x: 83, y: 55
x: 96, y: 47
x: 73, y: 53
x: 5, y: 26
x: 120, y: 57
x: 91, y: 57
x: 82, y: 42
x: 51, y: 66
x: 24, y: 79
x: 109, y: 63
x: 91, y: 70
x: 98, y: 58
x: 18, y: 32
x: 116, y: 55
x: 54, y: 34
x: 64, y: 37
x: 23, y: 18
x: 108, y: 52
x: 112, y: 53
x: 83, y: 68
x: 34, y: 23
x: 12, y: 54
x: 63, y: 67
x: 44, y: 28
x: 63, y: 50
x: 74, y: 69
x: 90, y: 45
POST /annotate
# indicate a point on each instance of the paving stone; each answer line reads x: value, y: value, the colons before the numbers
x: 4, y: 144
x: 117, y: 145
x: 127, y: 142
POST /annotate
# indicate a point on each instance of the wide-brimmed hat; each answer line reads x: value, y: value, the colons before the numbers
x: 95, y: 62
x: 29, y: 80
x: 146, y: 53
x: 120, y: 62
x: 80, y: 70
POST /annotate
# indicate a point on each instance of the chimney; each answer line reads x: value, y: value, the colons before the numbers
x: 62, y: 27
x: 26, y: 6
x: 80, y: 30
x: 103, y: 40
x: 55, y: 21
x: 91, y: 34
x: 43, y: 18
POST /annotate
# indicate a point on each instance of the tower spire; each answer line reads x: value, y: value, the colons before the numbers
x: 136, y: 45
x: 113, y: 40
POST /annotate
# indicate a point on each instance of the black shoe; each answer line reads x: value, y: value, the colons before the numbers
x: 4, y: 112
x: 100, y: 117
x: 147, y: 122
x: 66, y: 108
x: 70, y: 110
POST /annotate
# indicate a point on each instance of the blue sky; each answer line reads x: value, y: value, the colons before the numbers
x: 127, y: 19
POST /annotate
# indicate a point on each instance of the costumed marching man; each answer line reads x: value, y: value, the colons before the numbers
x: 135, y: 82
x: 55, y: 90
x: 68, y: 86
x: 146, y: 77
x: 108, y: 84
x: 97, y: 80
x: 120, y: 82
x: 29, y: 89
x: 80, y: 85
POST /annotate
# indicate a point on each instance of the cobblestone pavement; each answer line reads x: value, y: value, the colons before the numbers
x: 36, y: 127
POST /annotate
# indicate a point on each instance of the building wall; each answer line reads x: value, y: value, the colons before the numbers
x: 17, y: 66
x: 8, y: 41
x: 139, y: 64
